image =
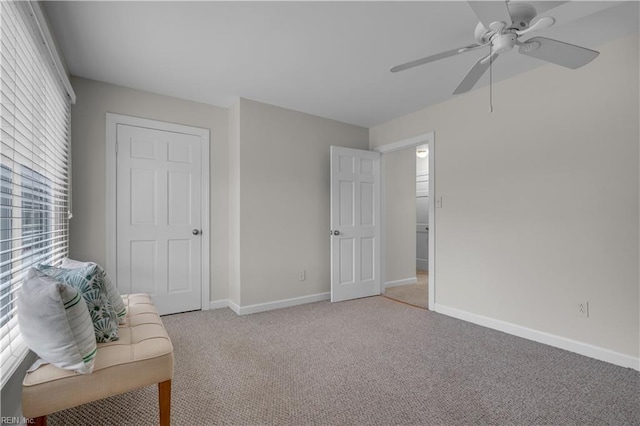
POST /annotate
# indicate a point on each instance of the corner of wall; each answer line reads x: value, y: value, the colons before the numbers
x: 234, y: 204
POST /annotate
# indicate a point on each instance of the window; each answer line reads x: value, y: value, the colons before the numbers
x: 5, y: 245
x: 34, y: 162
x: 36, y: 216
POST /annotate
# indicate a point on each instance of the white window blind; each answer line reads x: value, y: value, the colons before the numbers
x: 34, y: 175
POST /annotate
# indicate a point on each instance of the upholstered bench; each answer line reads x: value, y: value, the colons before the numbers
x: 142, y: 356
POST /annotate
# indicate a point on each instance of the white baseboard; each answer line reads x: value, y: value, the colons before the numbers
x: 404, y: 281
x: 542, y: 337
x: 218, y: 304
x: 234, y: 307
x: 262, y: 307
x: 268, y: 306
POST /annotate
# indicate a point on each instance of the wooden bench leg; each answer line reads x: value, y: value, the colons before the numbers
x: 38, y: 421
x: 164, y: 398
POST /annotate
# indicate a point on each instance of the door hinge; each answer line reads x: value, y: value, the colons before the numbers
x: 116, y: 147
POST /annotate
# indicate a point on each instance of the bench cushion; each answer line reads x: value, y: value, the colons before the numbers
x: 142, y: 356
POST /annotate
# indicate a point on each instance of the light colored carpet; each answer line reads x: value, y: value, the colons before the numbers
x: 371, y: 361
x: 412, y: 294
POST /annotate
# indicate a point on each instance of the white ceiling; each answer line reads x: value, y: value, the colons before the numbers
x: 330, y: 59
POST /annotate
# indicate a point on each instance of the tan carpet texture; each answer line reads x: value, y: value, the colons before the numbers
x: 371, y: 361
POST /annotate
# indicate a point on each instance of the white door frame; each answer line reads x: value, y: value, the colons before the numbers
x: 112, y: 121
x: 424, y: 138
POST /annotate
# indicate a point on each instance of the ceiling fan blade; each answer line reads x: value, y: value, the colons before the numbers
x: 432, y: 58
x: 557, y: 52
x: 540, y: 24
x: 474, y: 74
x: 491, y: 11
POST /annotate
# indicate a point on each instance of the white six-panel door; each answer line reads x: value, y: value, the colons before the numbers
x: 159, y: 216
x: 355, y: 224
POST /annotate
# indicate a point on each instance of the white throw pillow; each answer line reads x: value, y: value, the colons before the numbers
x: 55, y: 323
x: 112, y: 291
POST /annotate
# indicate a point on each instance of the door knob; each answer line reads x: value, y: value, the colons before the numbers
x: 196, y: 232
x: 336, y: 232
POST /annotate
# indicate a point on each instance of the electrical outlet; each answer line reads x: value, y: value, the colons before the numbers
x: 302, y: 275
x: 582, y: 309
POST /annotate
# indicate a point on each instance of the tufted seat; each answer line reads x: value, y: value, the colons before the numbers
x: 142, y: 356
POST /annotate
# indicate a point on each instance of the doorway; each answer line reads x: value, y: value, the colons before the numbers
x: 409, y: 221
x: 158, y: 220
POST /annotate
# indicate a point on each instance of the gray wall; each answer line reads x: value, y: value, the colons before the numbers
x: 540, y: 198
x: 11, y: 398
x: 94, y: 100
x: 269, y: 187
x: 282, y: 171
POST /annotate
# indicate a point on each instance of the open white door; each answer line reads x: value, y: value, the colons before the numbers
x: 355, y: 224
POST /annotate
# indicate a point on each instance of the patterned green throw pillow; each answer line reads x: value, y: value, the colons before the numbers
x: 86, y: 280
x: 112, y: 291
x: 112, y: 294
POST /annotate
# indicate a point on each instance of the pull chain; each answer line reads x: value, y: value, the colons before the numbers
x: 491, y: 78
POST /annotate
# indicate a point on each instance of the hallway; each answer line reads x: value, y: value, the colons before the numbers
x: 411, y: 294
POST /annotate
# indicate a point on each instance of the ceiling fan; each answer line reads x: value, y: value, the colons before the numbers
x: 501, y: 25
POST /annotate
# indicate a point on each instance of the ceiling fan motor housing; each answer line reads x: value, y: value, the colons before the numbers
x: 521, y: 16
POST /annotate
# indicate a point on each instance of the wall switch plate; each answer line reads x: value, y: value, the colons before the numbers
x: 302, y: 275
x: 438, y: 202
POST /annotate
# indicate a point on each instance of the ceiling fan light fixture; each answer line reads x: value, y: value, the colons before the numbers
x: 504, y: 43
